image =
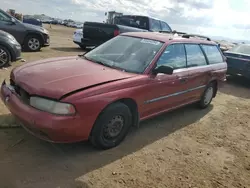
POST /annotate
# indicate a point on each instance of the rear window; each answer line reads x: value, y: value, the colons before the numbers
x: 212, y: 53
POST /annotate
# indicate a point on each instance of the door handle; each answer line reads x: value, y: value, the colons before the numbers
x: 183, y: 79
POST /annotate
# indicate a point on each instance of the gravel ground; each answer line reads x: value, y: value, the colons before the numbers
x: 185, y: 148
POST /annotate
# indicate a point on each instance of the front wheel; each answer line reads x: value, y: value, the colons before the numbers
x: 32, y: 43
x: 207, y: 96
x: 112, y: 126
x: 5, y: 57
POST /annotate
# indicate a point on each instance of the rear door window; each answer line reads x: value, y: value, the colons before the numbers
x: 213, y: 54
x: 195, y: 56
x: 173, y: 56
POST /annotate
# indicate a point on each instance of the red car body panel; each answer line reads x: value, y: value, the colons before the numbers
x: 91, y: 87
x: 73, y: 73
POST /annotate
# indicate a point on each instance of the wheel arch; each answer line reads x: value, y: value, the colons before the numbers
x: 132, y: 105
x: 12, y: 54
x: 39, y: 35
x: 215, y: 83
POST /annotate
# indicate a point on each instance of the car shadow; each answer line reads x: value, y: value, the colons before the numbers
x: 35, y: 163
x: 68, y: 49
x: 237, y: 86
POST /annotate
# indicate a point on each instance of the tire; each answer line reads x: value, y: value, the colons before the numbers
x: 207, y: 96
x: 32, y: 43
x: 5, y: 56
x: 102, y: 135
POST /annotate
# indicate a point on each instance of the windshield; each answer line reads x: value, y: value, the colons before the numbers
x: 4, y: 16
x: 129, y: 54
x: 243, y: 49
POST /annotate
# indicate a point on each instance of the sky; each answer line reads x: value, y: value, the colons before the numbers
x: 228, y: 18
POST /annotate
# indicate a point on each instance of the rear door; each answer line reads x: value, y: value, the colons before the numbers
x: 199, y: 71
x: 216, y: 62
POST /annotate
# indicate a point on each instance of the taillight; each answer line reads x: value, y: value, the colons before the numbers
x: 116, y: 32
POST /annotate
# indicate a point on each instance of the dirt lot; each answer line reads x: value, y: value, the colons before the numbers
x: 185, y: 148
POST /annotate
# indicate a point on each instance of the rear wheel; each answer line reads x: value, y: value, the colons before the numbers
x: 5, y: 57
x: 207, y: 96
x: 32, y: 43
x: 112, y: 126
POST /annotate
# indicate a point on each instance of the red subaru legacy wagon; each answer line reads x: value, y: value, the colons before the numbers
x: 99, y: 95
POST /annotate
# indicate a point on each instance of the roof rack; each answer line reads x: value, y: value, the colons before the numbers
x: 195, y: 35
x: 172, y: 32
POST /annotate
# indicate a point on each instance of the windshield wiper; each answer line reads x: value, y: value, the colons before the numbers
x: 95, y: 61
x: 101, y: 63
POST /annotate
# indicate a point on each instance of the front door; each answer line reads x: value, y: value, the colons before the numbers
x: 168, y: 91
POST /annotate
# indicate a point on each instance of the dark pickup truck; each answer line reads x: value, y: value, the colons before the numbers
x: 95, y: 33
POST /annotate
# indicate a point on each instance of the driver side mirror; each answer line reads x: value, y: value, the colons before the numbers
x: 13, y: 21
x: 164, y: 69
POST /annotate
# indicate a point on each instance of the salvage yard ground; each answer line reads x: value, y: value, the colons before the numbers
x: 185, y: 148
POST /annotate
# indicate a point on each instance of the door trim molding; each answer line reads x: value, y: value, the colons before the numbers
x: 173, y: 94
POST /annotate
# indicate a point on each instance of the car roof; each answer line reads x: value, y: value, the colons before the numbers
x: 167, y: 37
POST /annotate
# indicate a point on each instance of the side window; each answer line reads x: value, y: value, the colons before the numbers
x: 213, y: 54
x: 155, y: 25
x: 165, y: 27
x: 4, y: 18
x: 173, y: 56
x: 195, y: 56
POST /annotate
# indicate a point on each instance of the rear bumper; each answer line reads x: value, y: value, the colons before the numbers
x: 78, y: 43
x: 89, y: 42
x: 221, y: 83
x: 46, y: 126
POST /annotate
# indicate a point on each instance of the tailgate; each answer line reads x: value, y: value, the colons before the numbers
x: 99, y: 31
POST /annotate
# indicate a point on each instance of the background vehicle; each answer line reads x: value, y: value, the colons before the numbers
x: 238, y: 60
x: 10, y: 49
x: 77, y: 37
x: 78, y: 25
x: 96, y: 33
x: 31, y: 37
x: 33, y: 21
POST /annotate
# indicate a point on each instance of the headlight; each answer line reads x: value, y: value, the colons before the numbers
x: 46, y: 31
x: 12, y: 38
x: 51, y: 106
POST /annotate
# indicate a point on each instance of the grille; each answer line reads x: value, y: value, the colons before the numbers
x: 23, y: 95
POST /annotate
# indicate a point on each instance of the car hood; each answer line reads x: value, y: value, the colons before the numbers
x: 56, y: 77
